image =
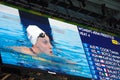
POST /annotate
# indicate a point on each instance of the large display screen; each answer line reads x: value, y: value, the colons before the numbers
x: 37, y: 42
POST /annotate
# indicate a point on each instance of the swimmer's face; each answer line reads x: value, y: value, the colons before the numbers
x: 43, y: 44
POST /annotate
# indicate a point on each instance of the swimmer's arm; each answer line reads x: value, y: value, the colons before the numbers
x: 22, y: 49
x: 16, y: 48
x: 65, y: 60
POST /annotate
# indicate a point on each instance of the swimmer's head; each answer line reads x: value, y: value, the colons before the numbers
x: 34, y: 32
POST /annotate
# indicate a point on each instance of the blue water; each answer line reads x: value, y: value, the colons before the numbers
x: 67, y: 47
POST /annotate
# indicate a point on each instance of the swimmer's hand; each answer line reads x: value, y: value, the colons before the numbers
x: 71, y: 62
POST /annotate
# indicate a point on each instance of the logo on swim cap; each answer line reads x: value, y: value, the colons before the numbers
x: 33, y: 32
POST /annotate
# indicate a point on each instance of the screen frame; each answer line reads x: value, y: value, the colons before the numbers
x: 20, y: 69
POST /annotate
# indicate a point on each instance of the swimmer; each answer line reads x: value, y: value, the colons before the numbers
x: 40, y: 42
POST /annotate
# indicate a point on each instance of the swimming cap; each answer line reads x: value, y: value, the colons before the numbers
x: 33, y: 32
